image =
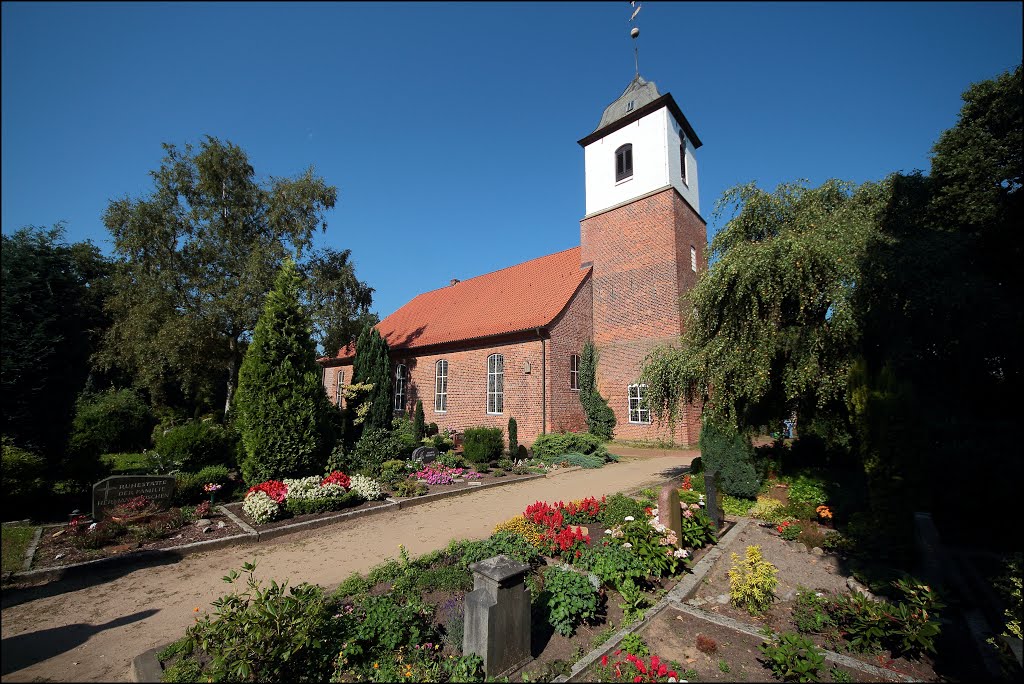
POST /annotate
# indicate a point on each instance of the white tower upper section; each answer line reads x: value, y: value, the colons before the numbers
x: 640, y: 146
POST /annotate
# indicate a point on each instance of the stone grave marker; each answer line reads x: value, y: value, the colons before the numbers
x: 424, y: 454
x: 119, y: 489
x: 713, y: 501
x: 497, y: 621
x: 669, y: 514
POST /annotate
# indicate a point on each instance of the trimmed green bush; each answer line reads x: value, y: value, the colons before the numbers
x: 618, y: 507
x: 297, y: 506
x: 282, y: 410
x: 559, y: 443
x: 111, y: 422
x: 419, y: 426
x: 729, y: 454
x: 195, y: 445
x: 404, y: 431
x: 576, y: 459
x: 188, y: 487
x: 483, y: 444
x: 513, y: 437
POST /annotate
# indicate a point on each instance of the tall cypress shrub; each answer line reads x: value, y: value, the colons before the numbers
x: 283, y: 412
x: 513, y: 438
x: 600, y: 417
x: 419, y: 423
x: 372, y: 365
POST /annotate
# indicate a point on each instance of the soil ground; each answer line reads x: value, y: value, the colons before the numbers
x: 90, y: 628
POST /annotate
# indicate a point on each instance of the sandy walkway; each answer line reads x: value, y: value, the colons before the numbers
x: 91, y: 633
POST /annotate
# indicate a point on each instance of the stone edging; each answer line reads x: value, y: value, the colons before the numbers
x: 248, y: 536
x: 686, y: 588
x: 691, y: 582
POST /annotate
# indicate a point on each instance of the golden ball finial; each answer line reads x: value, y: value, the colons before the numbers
x: 634, y: 32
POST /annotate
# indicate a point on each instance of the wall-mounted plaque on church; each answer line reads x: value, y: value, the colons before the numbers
x: 119, y: 489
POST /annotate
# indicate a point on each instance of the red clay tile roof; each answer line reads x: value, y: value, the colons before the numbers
x: 521, y: 297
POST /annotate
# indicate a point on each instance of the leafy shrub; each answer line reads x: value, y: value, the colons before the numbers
x: 404, y: 431
x: 83, y: 535
x: 113, y: 421
x: 557, y: 444
x: 196, y: 444
x: 772, y: 511
x: 571, y: 599
x: 697, y: 466
x: 267, y: 634
x: 791, y: 531
x: 507, y: 543
x: 376, y: 446
x: 807, y: 489
x: 801, y: 511
x: 689, y: 497
x: 419, y: 424
x: 442, y: 441
x: 906, y: 627
x: 374, y: 630
x: 811, y: 613
x: 752, y: 581
x: 24, y: 478
x: 697, y: 482
x: 431, y: 430
x: 793, y: 658
x: 612, y: 563
x: 483, y: 444
x: 729, y: 454
x: 633, y: 644
x: 618, y: 507
x: 506, y: 463
x: 408, y: 488
x: 696, y: 529
x: 450, y: 459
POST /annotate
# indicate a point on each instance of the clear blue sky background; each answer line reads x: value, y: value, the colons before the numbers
x: 450, y: 129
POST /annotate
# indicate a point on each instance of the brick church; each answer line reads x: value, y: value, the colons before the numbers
x: 507, y: 344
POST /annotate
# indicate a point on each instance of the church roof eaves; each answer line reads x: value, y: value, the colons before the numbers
x: 665, y: 100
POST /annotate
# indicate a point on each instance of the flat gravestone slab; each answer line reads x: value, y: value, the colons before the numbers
x: 424, y: 454
x: 120, y: 489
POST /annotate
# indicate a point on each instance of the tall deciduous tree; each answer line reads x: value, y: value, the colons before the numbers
x: 372, y: 365
x: 52, y: 320
x: 198, y: 255
x: 769, y: 326
x: 339, y: 303
x: 284, y: 415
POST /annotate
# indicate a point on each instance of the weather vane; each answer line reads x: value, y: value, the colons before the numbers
x: 634, y: 33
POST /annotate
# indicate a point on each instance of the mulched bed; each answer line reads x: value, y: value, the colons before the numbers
x: 236, y: 508
x: 50, y: 546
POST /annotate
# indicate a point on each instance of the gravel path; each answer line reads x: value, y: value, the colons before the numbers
x: 71, y: 631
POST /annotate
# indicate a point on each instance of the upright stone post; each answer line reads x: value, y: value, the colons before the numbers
x: 712, y: 502
x: 497, y: 626
x: 669, y: 514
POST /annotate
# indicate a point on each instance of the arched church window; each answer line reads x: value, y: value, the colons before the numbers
x: 624, y: 162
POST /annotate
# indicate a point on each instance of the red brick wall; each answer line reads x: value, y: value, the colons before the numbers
x: 641, y: 266
x: 569, y: 331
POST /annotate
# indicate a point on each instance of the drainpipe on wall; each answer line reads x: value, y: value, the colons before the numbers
x: 543, y: 383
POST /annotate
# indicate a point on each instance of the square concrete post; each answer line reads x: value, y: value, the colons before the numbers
x: 498, y: 615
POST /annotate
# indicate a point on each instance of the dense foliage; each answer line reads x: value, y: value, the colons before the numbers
x: 555, y: 444
x: 283, y: 412
x: 372, y: 366
x: 600, y: 417
x: 483, y: 444
x: 196, y: 444
x: 729, y: 455
x: 52, y: 316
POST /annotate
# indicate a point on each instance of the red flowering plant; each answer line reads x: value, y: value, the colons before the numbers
x: 338, y: 478
x: 687, y: 483
x: 277, y: 491
x: 559, y: 535
x: 584, y: 512
x: 631, y: 668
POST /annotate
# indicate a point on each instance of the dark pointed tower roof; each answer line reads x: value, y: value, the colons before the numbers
x: 638, y: 93
x: 641, y: 97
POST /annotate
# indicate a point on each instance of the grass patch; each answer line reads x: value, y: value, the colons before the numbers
x: 123, y: 463
x: 16, y: 539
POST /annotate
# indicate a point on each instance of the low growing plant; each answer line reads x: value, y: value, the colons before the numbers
x: 632, y: 643
x: 792, y: 658
x: 571, y: 599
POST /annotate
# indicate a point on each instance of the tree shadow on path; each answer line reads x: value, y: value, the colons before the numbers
x: 27, y: 649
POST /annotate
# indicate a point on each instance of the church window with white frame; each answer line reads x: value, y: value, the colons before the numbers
x: 400, y: 377
x: 441, y: 386
x: 339, y: 382
x: 639, y: 411
x: 495, y: 384
x: 574, y: 372
x: 693, y: 258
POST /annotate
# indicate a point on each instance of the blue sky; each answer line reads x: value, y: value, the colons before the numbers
x: 450, y: 129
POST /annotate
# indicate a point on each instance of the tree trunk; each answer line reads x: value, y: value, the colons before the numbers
x: 232, y: 375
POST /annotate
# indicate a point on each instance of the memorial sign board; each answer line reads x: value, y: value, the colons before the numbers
x: 120, y: 489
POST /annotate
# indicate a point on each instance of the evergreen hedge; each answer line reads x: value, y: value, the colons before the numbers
x: 483, y: 444
x: 600, y: 417
x: 730, y: 455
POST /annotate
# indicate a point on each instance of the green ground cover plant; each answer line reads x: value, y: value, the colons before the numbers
x: 16, y: 539
x: 570, y: 599
x: 792, y: 658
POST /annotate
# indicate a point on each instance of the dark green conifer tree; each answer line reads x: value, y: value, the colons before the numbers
x: 283, y: 411
x: 372, y: 365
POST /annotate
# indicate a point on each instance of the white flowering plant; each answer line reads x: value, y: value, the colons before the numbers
x: 311, y: 488
x: 367, y: 487
x: 260, y: 507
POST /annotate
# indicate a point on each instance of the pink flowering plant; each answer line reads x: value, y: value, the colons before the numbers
x: 436, y: 473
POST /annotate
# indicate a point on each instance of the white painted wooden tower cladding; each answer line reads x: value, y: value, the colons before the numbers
x: 660, y: 146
